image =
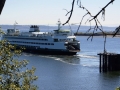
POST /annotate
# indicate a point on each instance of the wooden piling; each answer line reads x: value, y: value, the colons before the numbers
x: 100, y: 63
x: 109, y: 62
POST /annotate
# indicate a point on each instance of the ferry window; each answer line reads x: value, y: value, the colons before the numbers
x: 48, y: 43
x: 55, y: 40
x: 73, y: 39
x: 64, y: 34
x: 52, y: 43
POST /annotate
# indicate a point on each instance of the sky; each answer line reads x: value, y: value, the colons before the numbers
x: 48, y: 12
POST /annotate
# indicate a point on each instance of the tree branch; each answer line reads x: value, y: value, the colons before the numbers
x: 2, y: 2
x: 98, y: 25
x: 71, y: 11
x: 103, y: 9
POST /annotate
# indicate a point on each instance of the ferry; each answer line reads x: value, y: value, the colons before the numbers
x: 60, y: 41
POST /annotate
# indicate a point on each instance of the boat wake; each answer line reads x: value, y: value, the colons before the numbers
x: 73, y: 60
x: 87, y: 56
x: 78, y: 59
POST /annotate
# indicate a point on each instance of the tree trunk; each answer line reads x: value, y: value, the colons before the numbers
x: 2, y: 2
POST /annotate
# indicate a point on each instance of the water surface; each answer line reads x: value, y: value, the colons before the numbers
x: 78, y: 72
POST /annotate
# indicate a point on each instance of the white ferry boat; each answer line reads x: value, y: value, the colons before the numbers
x: 60, y: 42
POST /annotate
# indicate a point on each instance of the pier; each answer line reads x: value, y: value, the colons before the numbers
x: 109, y: 62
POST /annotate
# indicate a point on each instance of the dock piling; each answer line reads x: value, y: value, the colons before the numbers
x: 109, y: 62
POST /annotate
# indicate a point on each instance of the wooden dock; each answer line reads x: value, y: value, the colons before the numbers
x: 109, y: 62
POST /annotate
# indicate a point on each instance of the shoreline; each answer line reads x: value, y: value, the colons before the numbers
x: 84, y: 34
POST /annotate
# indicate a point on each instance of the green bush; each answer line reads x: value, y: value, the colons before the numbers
x: 11, y: 75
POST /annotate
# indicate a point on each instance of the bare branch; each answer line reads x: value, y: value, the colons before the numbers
x: 67, y: 12
x: 71, y: 11
x: 98, y: 25
x: 102, y: 10
x: 116, y: 31
x: 81, y: 22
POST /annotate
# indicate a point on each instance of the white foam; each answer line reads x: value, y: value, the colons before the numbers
x: 87, y: 56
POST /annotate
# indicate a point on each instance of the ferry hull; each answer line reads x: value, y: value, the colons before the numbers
x: 50, y: 51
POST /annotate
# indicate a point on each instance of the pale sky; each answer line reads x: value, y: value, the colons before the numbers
x: 44, y: 12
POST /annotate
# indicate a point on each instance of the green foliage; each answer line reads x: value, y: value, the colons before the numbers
x: 11, y: 75
x: 118, y: 88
